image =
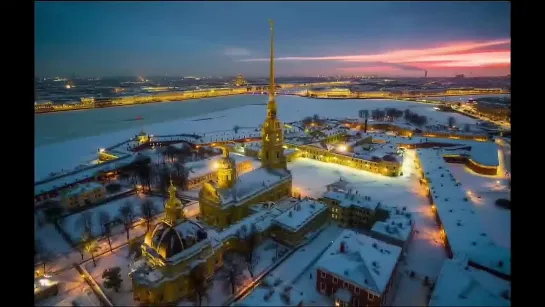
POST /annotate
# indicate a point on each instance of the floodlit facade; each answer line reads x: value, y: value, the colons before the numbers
x: 353, y: 210
x: 83, y: 194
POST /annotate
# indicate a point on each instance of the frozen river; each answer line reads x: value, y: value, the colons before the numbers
x: 63, y: 126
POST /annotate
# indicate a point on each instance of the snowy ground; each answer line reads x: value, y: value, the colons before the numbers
x: 68, y: 154
x: 425, y: 253
x: 72, y: 224
x: 119, y: 258
x: 71, y: 285
x: 118, y: 238
x: 300, y: 270
x: 51, y: 240
x: 495, y: 220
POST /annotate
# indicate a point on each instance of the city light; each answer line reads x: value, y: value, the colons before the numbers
x: 101, y: 150
x: 341, y: 148
x: 216, y: 165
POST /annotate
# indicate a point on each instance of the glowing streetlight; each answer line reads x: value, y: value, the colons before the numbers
x: 216, y: 165
x: 101, y: 150
x: 341, y: 148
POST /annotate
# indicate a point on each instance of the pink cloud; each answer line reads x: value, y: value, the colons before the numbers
x: 460, y: 54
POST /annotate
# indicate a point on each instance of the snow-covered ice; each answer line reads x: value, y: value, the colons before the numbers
x: 70, y: 153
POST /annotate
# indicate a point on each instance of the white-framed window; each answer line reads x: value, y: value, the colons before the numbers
x: 322, y: 287
x: 322, y: 274
x: 335, y: 280
x: 345, y: 284
x: 355, y: 302
x: 356, y: 290
x: 370, y: 296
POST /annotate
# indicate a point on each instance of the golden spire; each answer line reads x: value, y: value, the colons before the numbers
x: 172, y: 189
x: 271, y: 106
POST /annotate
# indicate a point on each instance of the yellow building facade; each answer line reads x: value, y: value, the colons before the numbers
x: 386, y: 167
x: 83, y: 195
x: 352, y: 210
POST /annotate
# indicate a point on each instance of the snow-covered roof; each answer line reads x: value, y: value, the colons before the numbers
x: 83, y: 188
x: 207, y: 166
x: 252, y: 183
x: 399, y: 224
x: 366, y: 262
x: 267, y: 294
x: 461, y: 223
x: 262, y: 220
x: 348, y: 200
x: 300, y: 214
x: 461, y: 285
x: 379, y: 150
x: 79, y: 174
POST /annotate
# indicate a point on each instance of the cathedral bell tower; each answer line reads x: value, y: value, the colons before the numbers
x: 227, y: 170
x: 173, y: 207
x: 272, y: 137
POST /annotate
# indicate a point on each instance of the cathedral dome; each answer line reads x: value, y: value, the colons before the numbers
x: 169, y: 240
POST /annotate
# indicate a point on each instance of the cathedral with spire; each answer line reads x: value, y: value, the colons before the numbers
x: 179, y: 252
x: 227, y: 201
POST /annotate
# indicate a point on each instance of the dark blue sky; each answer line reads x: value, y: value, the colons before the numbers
x: 210, y: 38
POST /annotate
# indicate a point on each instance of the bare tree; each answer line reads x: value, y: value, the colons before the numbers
x: 89, y: 244
x: 232, y: 273
x: 42, y: 254
x: 199, y: 283
x: 251, y: 239
x: 164, y: 182
x: 144, y: 173
x: 104, y: 219
x: 85, y: 221
x: 407, y: 114
x: 127, y: 214
x: 182, y: 175
x: 451, y: 121
x: 148, y: 210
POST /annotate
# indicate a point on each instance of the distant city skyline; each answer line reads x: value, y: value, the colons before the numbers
x: 396, y: 39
